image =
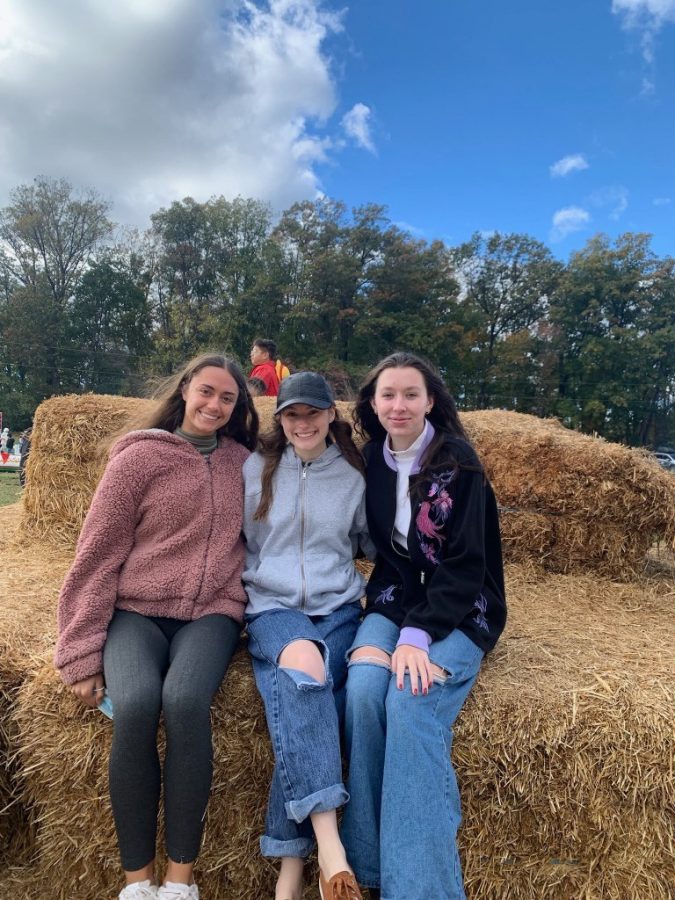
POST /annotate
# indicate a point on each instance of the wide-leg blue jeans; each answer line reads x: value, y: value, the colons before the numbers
x: 303, y: 717
x: 400, y: 826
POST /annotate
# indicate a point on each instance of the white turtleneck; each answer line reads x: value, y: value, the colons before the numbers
x: 404, y: 460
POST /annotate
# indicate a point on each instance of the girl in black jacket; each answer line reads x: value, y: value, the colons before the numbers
x: 435, y: 606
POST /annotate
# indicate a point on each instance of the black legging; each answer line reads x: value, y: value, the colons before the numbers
x: 153, y: 665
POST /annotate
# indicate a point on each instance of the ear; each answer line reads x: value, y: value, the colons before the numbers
x: 331, y: 415
x: 430, y: 404
x: 183, y: 391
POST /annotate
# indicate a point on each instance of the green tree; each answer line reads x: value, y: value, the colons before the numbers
x: 615, y: 340
x: 109, y: 327
x: 506, y: 282
x: 31, y: 327
x: 48, y: 235
x: 411, y: 303
x: 216, y: 275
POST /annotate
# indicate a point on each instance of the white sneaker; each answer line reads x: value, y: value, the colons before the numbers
x: 139, y: 890
x: 171, y: 890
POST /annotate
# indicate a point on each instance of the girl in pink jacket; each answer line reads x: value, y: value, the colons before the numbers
x: 151, y: 610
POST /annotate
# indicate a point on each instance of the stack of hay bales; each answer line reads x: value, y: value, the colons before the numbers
x: 572, y: 502
x: 565, y: 751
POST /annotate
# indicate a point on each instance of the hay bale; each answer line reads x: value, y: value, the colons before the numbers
x: 64, y: 749
x: 565, y: 755
x: 566, y: 748
x: 574, y: 502
x: 32, y: 576
x: 65, y: 462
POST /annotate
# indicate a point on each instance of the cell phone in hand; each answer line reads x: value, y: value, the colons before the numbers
x: 105, y: 706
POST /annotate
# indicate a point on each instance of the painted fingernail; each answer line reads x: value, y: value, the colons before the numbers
x: 415, y: 691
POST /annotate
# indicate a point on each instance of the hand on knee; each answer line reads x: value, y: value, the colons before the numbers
x: 304, y: 656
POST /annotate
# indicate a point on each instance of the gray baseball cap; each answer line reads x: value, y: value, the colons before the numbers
x: 309, y: 388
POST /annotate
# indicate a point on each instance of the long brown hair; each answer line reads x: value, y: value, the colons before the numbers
x: 443, y: 414
x: 169, y: 412
x: 273, y: 444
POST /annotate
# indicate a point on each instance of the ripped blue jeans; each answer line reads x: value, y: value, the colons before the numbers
x: 400, y: 828
x: 303, y: 718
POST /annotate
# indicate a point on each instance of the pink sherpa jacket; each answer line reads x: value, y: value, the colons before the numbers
x: 162, y: 538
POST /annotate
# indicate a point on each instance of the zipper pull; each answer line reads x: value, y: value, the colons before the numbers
x: 423, y: 577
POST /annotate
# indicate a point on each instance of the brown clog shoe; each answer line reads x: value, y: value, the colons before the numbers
x: 342, y: 886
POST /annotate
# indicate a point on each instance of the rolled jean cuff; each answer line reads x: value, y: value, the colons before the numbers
x: 298, y: 847
x: 321, y: 801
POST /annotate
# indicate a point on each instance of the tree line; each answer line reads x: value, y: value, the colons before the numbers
x: 85, y: 306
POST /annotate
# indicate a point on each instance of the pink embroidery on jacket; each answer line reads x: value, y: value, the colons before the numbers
x: 433, y: 514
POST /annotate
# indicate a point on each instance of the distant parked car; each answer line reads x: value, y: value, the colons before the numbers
x: 666, y: 459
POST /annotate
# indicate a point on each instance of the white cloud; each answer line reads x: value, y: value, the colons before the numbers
x: 356, y: 124
x: 151, y: 100
x: 568, y: 220
x: 647, y: 17
x: 615, y: 198
x: 575, y: 163
x: 661, y: 201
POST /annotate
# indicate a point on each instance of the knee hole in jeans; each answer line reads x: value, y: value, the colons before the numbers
x: 440, y: 674
x: 304, y: 656
x: 370, y: 656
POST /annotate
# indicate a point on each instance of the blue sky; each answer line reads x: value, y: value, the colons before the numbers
x: 474, y: 103
x: 553, y: 119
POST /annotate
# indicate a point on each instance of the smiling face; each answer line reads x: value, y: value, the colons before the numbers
x: 306, y: 428
x: 401, y: 402
x: 210, y: 397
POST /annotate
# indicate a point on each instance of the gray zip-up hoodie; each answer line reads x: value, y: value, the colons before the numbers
x: 301, y: 556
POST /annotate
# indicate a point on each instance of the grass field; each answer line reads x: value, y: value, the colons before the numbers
x: 10, y: 489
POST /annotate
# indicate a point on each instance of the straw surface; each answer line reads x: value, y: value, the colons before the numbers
x: 565, y: 755
x: 565, y: 751
x: 32, y: 575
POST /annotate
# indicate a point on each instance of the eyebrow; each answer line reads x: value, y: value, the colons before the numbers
x: 210, y: 387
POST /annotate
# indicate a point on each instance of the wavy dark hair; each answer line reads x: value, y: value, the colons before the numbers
x: 169, y: 413
x: 274, y: 442
x: 443, y: 414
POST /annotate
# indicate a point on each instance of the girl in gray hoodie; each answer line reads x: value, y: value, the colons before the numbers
x: 304, y: 518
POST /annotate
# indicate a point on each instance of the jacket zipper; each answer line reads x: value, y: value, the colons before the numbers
x: 303, y: 489
x: 208, y: 541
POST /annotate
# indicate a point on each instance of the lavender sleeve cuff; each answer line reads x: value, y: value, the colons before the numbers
x: 414, y: 637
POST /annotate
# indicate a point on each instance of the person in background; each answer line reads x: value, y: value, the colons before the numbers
x: 256, y: 387
x: 281, y: 369
x: 304, y: 519
x: 24, y: 450
x: 152, y: 609
x: 263, y: 359
x: 434, y: 606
